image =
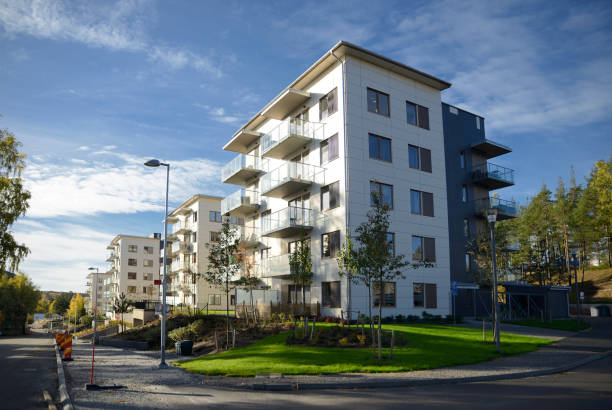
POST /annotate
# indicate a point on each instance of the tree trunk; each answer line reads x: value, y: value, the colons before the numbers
x: 370, y: 312
x: 380, y: 303
x: 567, y: 262
x: 226, y: 311
x: 304, y: 308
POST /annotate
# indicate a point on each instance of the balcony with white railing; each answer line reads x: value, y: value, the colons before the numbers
x: 181, y: 247
x: 290, y: 135
x: 182, y: 266
x: 241, y: 170
x: 287, y: 222
x: 289, y: 178
x: 241, y: 203
x: 249, y: 237
x: 111, y: 257
x: 274, y: 266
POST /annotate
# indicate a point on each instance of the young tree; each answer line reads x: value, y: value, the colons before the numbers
x: 62, y: 303
x: 122, y: 306
x: 223, y: 265
x: 18, y: 298
x: 600, y: 187
x: 563, y: 208
x: 42, y: 306
x: 13, y: 200
x: 300, y: 265
x: 76, y: 308
x: 248, y: 278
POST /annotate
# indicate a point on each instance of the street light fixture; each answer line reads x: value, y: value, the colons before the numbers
x: 575, y: 263
x: 95, y: 335
x: 492, y: 217
x: 156, y: 163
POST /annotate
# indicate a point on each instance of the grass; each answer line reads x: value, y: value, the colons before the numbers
x: 430, y: 346
x: 557, y: 324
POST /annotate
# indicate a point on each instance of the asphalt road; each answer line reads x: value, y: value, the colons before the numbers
x: 27, y: 367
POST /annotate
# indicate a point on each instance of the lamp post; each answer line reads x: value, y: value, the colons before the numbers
x: 575, y: 263
x: 492, y: 217
x: 95, y: 308
x: 156, y: 163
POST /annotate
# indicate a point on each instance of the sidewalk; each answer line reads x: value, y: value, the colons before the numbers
x: 138, y: 371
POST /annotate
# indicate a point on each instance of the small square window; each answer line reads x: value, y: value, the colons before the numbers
x: 386, y: 192
x: 380, y: 148
x: 378, y: 102
x: 132, y: 248
x: 329, y: 149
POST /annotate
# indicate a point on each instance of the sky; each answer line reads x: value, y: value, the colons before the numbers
x: 95, y: 88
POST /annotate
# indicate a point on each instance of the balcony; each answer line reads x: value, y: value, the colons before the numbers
x: 290, y: 178
x: 181, y: 266
x: 111, y: 257
x: 493, y: 176
x: 285, y: 104
x: 490, y: 149
x: 289, y: 136
x: 180, y: 230
x: 249, y: 237
x: 505, y: 209
x: 241, y: 203
x: 274, y: 266
x: 241, y: 170
x: 181, y: 247
x: 287, y: 222
x: 242, y: 140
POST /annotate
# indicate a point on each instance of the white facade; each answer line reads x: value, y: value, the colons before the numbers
x: 284, y: 172
x: 96, y: 292
x: 134, y: 266
x: 194, y: 225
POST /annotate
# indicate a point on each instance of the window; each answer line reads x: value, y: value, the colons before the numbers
x: 194, y: 257
x: 391, y: 242
x: 329, y: 149
x: 214, y: 216
x: 425, y: 295
x: 466, y: 227
x: 330, y: 244
x: 148, y: 250
x: 236, y: 221
x: 214, y: 236
x: 330, y: 292
x: 132, y: 248
x: 214, y: 299
x: 132, y: 275
x: 380, y: 148
x: 419, y: 158
x: 467, y: 262
x: 194, y: 237
x: 385, y: 190
x: 328, y: 105
x: 478, y: 122
x: 195, y: 216
x: 378, y: 102
x: 417, y: 115
x: 330, y: 196
x: 131, y: 289
x: 423, y: 249
x: 464, y: 193
x: 147, y: 263
x: 388, y: 296
x: 462, y: 159
x: 147, y: 276
x: 132, y: 262
x: 421, y: 203
x: 293, y: 290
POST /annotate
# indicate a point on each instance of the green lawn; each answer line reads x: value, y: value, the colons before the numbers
x: 430, y: 346
x: 557, y: 324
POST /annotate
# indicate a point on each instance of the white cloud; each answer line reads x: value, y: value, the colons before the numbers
x: 78, y: 161
x: 119, y: 184
x: 83, y: 148
x: 218, y: 114
x: 109, y: 147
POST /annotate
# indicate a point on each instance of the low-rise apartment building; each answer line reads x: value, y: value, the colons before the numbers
x: 353, y: 123
x: 96, y: 295
x: 134, y: 268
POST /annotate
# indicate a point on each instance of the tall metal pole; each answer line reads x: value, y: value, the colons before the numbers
x: 95, y: 308
x: 495, y: 301
x: 577, y: 292
x: 162, y: 364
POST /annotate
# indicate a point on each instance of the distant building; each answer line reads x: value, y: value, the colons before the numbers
x: 96, y: 294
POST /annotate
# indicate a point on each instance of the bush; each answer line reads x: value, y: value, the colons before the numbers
x: 181, y: 333
x: 400, y: 319
x: 413, y: 318
x: 86, y: 320
x: 198, y: 327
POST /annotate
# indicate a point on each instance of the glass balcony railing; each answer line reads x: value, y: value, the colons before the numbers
x: 289, y: 178
x: 505, y: 209
x: 493, y: 176
x: 274, y: 266
x: 288, y: 136
x: 240, y: 203
x: 242, y: 168
x: 249, y: 236
x: 286, y: 222
x: 182, y: 247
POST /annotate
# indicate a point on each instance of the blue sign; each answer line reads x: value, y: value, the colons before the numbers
x: 454, y: 292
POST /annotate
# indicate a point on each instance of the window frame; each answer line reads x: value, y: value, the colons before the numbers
x: 376, y: 293
x: 133, y: 248
x: 135, y: 262
x: 427, y: 255
x: 327, y: 142
x: 148, y: 250
x: 212, y: 216
x: 378, y: 94
x: 326, y: 299
x: 145, y: 261
x: 329, y: 188
x: 135, y: 276
x: 418, y: 110
x: 379, y: 139
x: 334, y: 106
x: 380, y: 185
x: 333, y: 244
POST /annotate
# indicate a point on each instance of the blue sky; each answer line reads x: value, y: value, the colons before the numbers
x: 93, y: 89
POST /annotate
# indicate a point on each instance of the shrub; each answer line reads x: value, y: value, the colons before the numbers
x: 387, y: 319
x: 426, y: 316
x: 400, y: 319
x: 181, y: 333
x: 413, y: 318
x: 198, y: 327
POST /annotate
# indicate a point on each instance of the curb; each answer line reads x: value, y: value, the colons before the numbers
x: 424, y: 382
x: 65, y: 400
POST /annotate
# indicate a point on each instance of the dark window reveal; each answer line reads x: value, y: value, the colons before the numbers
x: 330, y: 292
x: 388, y: 296
x: 417, y: 115
x: 330, y: 244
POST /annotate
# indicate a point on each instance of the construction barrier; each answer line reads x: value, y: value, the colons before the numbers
x: 67, y: 347
x: 59, y: 338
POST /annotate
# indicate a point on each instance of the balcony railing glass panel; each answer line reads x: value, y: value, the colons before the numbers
x: 288, y: 136
x: 240, y: 203
x: 505, y: 209
x: 289, y: 178
x: 286, y: 222
x: 240, y: 169
x: 494, y: 175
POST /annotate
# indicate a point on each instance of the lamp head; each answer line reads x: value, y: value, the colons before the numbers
x: 92, y: 268
x: 492, y: 215
x: 153, y: 163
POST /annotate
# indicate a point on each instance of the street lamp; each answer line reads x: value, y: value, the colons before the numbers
x: 492, y: 217
x: 575, y: 263
x: 95, y: 308
x: 156, y: 163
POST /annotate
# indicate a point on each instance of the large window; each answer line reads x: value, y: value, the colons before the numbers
x: 417, y: 115
x: 328, y: 105
x: 423, y: 249
x: 132, y: 275
x: 148, y: 250
x: 132, y: 262
x: 421, y: 203
x: 214, y: 236
x: 329, y: 149
x: 131, y: 289
x: 425, y: 295
x: 385, y: 190
x: 214, y: 216
x: 147, y: 263
x: 388, y: 295
x: 132, y: 248
x: 419, y: 158
x: 214, y: 299
x: 330, y: 292
x: 380, y: 148
x: 378, y: 102
x: 330, y: 244
x: 147, y: 276
x: 330, y: 196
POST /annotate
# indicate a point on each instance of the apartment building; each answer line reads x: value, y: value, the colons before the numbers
x: 353, y: 123
x: 195, y: 224
x: 470, y: 179
x: 134, y: 266
x: 96, y: 291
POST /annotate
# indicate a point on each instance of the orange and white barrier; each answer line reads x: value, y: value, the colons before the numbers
x: 66, y: 346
